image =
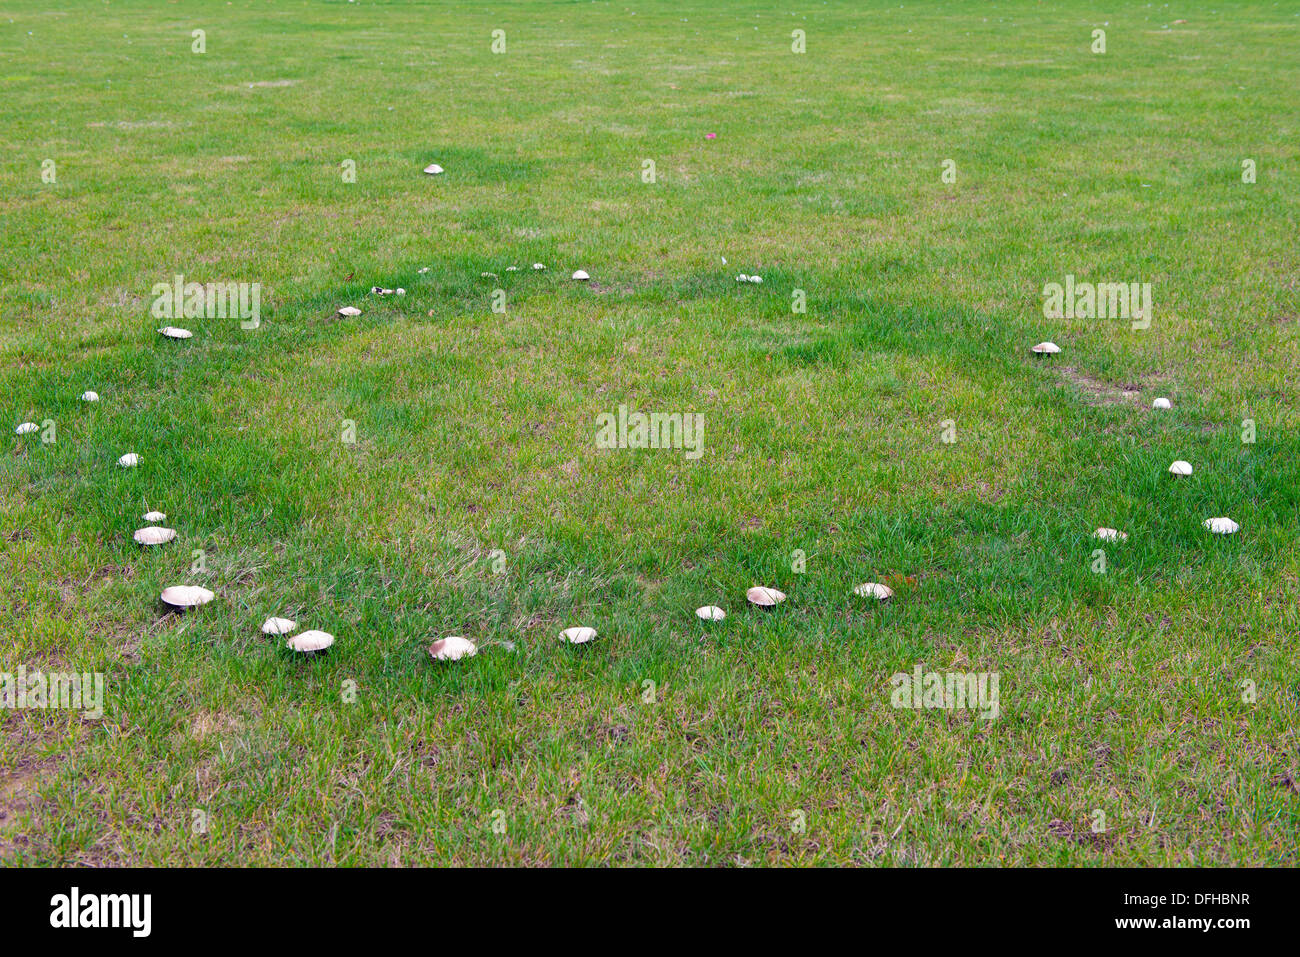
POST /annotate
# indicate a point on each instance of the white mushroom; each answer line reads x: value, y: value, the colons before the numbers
x: 349, y: 311
x: 401, y: 291
x: 1110, y: 535
x: 581, y: 274
x: 1180, y: 468
x: 758, y: 280
x: 742, y: 278
x: 186, y: 596
x: 129, y: 461
x: 512, y: 269
x: 1221, y: 525
x: 311, y: 641
x: 1162, y: 403
x: 710, y: 613
x: 873, y: 590
x: 278, y: 626
x: 433, y: 169
x: 155, y: 516
x: 154, y: 535
x: 1047, y: 348
x: 27, y: 428
x: 765, y: 597
x: 452, y: 649
x: 538, y: 266
x: 175, y: 332
x: 578, y: 636
x: 89, y: 396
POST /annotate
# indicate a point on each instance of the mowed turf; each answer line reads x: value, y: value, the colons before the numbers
x: 765, y: 739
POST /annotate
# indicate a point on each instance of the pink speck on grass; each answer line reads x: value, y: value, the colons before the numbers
x: 710, y: 136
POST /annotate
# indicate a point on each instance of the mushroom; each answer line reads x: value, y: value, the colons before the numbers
x: 27, y: 428
x: 278, y: 626
x: 452, y: 649
x: 129, y: 461
x: 433, y: 169
x: 89, y: 396
x: 1222, y: 525
x: 155, y: 516
x: 1110, y: 535
x: 349, y: 311
x: 874, y: 590
x: 1047, y: 348
x: 175, y: 332
x: 578, y: 636
x: 186, y: 596
x: 538, y: 266
x: 765, y: 597
x: 1162, y: 403
x: 710, y: 613
x: 309, y: 641
x: 154, y: 535
x: 1180, y: 468
x: 757, y: 280
x: 581, y: 275
x: 742, y: 278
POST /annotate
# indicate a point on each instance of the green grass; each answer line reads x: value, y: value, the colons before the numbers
x: 1120, y: 692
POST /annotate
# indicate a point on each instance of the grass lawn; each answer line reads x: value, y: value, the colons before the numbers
x: 1147, y: 712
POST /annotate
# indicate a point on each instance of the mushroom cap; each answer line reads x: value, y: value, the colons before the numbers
x: 186, y: 596
x: 578, y: 636
x: 433, y: 169
x: 175, y: 332
x: 154, y: 535
x: 1162, y: 403
x: 742, y: 278
x: 581, y: 274
x: 873, y: 590
x: 1181, y: 468
x: 310, y: 641
x: 278, y: 626
x: 349, y: 311
x: 89, y: 396
x: 764, y: 597
x: 756, y: 279
x: 1047, y: 348
x: 128, y: 461
x: 710, y: 613
x: 538, y: 266
x: 1222, y: 525
x: 453, y: 649
x: 155, y: 516
x: 1110, y: 535
x: 27, y: 428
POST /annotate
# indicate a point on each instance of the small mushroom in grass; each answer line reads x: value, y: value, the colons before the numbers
x: 1162, y: 403
x: 873, y: 590
x: 765, y: 597
x: 710, y: 613
x: 154, y: 535
x: 538, y: 266
x: 349, y: 311
x: 756, y: 280
x: 186, y: 596
x: 89, y: 396
x: 309, y: 641
x: 433, y: 169
x: 512, y: 269
x: 581, y: 275
x: 155, y: 516
x: 1110, y: 535
x: 129, y: 461
x: 578, y: 636
x: 278, y: 626
x: 1047, y: 348
x: 452, y: 649
x: 401, y: 291
x: 175, y: 332
x: 1180, y: 468
x: 742, y: 278
x: 27, y: 428
x: 1222, y: 525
